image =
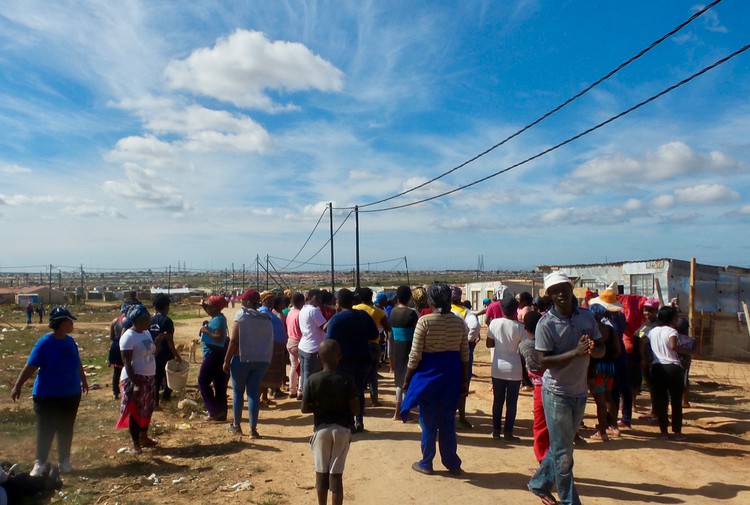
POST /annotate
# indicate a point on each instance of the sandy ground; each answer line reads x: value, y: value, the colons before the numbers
x: 711, y: 467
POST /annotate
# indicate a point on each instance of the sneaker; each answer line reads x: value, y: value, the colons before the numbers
x: 623, y: 424
x: 15, y: 469
x: 39, y: 469
x: 234, y: 429
x: 496, y: 435
x: 66, y: 466
x: 509, y: 437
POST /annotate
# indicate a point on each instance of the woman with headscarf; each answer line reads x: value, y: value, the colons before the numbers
x: 436, y: 377
x: 137, y: 382
x: 212, y: 382
x: 419, y: 296
x: 274, y: 377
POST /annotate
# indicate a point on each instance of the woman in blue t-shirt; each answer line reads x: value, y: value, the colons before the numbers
x: 57, y: 389
x: 212, y: 382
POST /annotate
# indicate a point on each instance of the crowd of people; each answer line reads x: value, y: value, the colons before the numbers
x: 327, y: 350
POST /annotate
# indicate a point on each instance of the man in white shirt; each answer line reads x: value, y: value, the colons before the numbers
x: 311, y: 321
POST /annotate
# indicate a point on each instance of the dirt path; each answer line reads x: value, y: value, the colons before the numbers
x: 711, y: 467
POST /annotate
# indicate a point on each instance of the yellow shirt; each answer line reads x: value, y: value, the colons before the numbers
x: 377, y: 314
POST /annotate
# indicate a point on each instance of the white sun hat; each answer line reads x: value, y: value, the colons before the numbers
x: 556, y: 278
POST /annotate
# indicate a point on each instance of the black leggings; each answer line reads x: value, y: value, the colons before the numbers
x: 135, y: 431
x: 116, y: 372
x: 55, y: 416
x: 667, y: 385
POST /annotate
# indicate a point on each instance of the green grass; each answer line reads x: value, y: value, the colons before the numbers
x: 189, y: 315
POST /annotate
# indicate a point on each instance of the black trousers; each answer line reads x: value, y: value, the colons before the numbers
x: 667, y: 385
x: 161, y: 378
x: 55, y: 416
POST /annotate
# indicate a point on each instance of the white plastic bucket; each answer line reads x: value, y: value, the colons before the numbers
x: 177, y: 374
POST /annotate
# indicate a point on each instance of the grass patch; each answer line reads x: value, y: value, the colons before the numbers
x: 189, y: 315
x: 270, y: 497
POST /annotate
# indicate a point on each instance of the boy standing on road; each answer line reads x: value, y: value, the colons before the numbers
x: 333, y: 399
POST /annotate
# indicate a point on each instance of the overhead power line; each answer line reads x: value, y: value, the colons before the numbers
x: 323, y: 246
x: 341, y: 264
x: 573, y: 138
x: 308, y: 239
x: 551, y: 111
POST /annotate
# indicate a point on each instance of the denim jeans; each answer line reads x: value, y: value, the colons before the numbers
x: 309, y: 363
x: 503, y: 390
x: 246, y: 377
x: 563, y: 415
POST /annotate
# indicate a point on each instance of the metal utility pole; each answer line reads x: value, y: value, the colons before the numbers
x: 169, y: 281
x: 83, y: 287
x: 49, y: 295
x: 232, y: 277
x: 356, y: 241
x: 243, y: 277
x: 266, y: 272
x: 408, y: 282
x: 257, y: 272
x: 333, y: 272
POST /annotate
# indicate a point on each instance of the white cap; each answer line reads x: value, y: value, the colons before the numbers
x: 556, y: 278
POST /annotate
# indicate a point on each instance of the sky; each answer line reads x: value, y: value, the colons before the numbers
x: 142, y: 134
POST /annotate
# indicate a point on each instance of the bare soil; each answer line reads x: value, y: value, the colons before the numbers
x: 711, y: 467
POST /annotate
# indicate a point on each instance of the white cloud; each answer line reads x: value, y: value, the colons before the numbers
x: 144, y: 189
x: 669, y: 160
x: 711, y: 20
x: 10, y: 169
x: 92, y: 211
x: 563, y: 216
x: 361, y: 175
x: 29, y: 201
x: 148, y: 149
x: 240, y: 69
x: 266, y: 212
x: 663, y: 201
x: 745, y: 210
x: 706, y: 194
x: 633, y: 204
x: 461, y: 223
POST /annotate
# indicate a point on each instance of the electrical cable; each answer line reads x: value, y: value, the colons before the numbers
x: 326, y: 243
x: 308, y: 238
x: 551, y: 111
x: 573, y: 138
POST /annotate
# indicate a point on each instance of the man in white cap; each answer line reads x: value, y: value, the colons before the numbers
x: 565, y: 338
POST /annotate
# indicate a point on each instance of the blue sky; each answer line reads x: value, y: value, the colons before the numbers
x: 143, y: 133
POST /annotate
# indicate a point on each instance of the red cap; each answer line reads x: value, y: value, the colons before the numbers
x: 250, y: 294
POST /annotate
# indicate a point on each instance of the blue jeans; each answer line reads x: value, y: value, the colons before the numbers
x: 309, y: 363
x: 437, y: 417
x: 504, y: 389
x: 564, y: 415
x: 246, y: 377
